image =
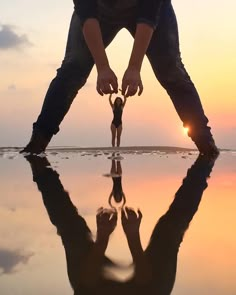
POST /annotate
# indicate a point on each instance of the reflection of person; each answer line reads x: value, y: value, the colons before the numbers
x: 93, y: 26
x: 154, y: 268
x: 116, y: 124
x: 117, y: 190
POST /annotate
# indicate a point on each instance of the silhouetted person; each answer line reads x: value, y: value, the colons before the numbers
x: 94, y: 24
x: 154, y: 268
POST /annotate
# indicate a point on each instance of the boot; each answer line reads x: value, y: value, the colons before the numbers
x: 37, y: 144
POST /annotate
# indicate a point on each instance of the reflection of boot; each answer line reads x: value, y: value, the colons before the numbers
x: 207, y: 148
x: 38, y: 164
x: 37, y: 144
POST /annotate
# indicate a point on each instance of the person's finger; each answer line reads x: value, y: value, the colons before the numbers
x: 114, y: 218
x: 140, y: 88
x: 130, y: 209
x: 132, y: 89
x: 106, y: 212
x: 114, y: 85
x: 106, y: 88
x: 123, y: 214
x: 114, y: 215
x: 140, y: 215
x: 99, y: 210
x: 99, y: 90
x: 124, y: 86
x: 111, y: 213
x: 131, y: 212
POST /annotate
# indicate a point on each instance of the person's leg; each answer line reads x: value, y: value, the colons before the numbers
x: 71, y: 76
x: 164, y: 56
x: 113, y: 135
x: 119, y: 131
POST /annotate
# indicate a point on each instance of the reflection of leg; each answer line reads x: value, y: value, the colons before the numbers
x: 72, y: 228
x: 113, y: 134
x: 168, y: 233
x: 119, y: 131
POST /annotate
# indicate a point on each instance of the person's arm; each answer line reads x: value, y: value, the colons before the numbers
x: 93, y: 264
x: 147, y: 19
x: 106, y: 79
x: 110, y: 101
x: 106, y: 223
x: 87, y: 12
x: 132, y: 78
x: 124, y: 102
x: 142, y: 268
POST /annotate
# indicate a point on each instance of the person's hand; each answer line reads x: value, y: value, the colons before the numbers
x: 106, y: 81
x: 131, y: 221
x: 106, y: 222
x: 131, y: 82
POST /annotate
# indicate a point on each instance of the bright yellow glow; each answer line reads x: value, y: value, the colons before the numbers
x: 186, y: 130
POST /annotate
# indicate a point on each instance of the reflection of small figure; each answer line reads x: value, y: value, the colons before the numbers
x: 154, y: 268
x: 116, y: 124
x: 117, y: 190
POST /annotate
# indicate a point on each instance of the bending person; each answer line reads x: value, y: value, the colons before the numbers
x: 94, y: 25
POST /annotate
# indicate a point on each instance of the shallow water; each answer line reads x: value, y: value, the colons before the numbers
x: 37, y: 209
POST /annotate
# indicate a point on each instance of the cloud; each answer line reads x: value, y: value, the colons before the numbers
x: 12, y: 87
x: 10, y: 259
x: 10, y: 39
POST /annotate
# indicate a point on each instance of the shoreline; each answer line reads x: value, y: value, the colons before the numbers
x: 148, y: 149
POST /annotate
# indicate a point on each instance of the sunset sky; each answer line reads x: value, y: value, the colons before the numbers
x: 32, y: 43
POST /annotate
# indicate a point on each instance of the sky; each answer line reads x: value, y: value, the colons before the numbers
x: 32, y: 43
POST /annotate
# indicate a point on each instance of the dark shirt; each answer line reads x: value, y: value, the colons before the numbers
x: 147, y: 11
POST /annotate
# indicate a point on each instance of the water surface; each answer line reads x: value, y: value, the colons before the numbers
x: 48, y: 207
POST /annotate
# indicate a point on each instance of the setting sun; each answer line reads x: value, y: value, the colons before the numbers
x: 186, y: 130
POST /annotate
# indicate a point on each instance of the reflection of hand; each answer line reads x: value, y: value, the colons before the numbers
x: 131, y: 82
x: 106, y: 81
x: 131, y: 221
x: 106, y: 222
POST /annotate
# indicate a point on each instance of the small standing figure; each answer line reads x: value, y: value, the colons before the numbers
x: 116, y: 124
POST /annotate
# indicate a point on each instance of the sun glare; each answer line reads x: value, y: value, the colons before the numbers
x: 186, y: 129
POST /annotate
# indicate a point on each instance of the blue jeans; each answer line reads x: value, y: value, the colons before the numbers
x: 163, y: 54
